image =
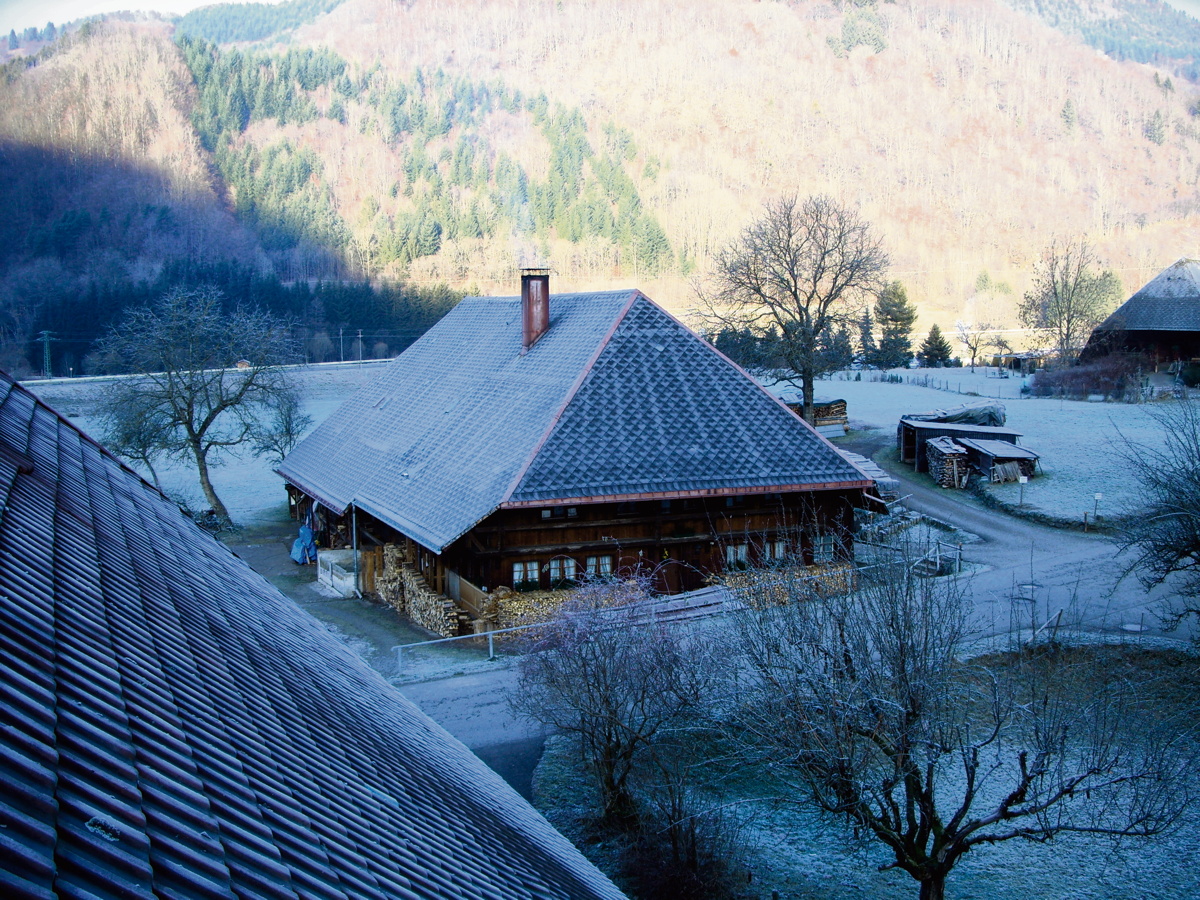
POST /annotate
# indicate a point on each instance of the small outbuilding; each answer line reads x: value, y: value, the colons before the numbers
x: 999, y: 461
x: 913, y: 435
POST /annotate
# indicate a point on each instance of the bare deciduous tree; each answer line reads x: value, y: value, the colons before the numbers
x: 203, y: 380
x: 864, y: 704
x: 803, y: 268
x: 977, y: 339
x: 1164, y: 533
x: 1069, y: 296
x: 601, y: 672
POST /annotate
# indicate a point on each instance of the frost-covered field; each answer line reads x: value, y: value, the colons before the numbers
x: 253, y: 493
x: 1078, y: 441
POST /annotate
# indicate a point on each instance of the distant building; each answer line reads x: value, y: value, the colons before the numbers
x: 175, y: 727
x: 1161, y: 320
x: 526, y: 440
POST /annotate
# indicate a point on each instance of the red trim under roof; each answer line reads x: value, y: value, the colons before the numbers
x: 681, y: 495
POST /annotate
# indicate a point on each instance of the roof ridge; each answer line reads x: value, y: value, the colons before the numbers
x: 634, y: 295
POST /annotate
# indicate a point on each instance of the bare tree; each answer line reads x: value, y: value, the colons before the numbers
x: 602, y: 672
x: 790, y: 277
x: 1069, y: 296
x: 977, y: 339
x: 202, y: 378
x: 1163, y: 534
x: 864, y: 704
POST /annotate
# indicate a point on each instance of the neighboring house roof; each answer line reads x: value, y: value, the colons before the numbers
x: 173, y: 726
x: 1169, y: 302
x: 616, y: 400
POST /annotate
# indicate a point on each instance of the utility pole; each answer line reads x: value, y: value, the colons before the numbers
x: 45, y: 338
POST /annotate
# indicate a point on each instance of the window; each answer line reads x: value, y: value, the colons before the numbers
x: 562, y: 571
x: 822, y: 548
x: 600, y: 566
x: 525, y: 575
x: 775, y: 550
x: 736, y: 556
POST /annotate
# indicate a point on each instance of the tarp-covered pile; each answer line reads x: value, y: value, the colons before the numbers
x: 990, y: 414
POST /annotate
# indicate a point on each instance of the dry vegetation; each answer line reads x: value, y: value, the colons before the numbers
x: 952, y: 138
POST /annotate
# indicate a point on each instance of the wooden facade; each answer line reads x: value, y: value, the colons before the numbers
x: 679, y: 543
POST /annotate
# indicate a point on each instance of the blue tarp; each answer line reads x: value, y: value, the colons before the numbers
x: 304, y: 549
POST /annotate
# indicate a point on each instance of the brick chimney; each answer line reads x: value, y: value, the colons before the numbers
x: 535, y: 305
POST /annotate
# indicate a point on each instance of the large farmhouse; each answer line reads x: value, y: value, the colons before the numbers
x: 175, y: 727
x: 1162, y: 320
x: 526, y: 440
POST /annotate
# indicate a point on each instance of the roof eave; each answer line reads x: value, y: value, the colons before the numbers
x: 690, y: 494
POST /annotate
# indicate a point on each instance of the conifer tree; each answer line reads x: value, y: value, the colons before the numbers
x: 936, y: 350
x: 868, y: 351
x: 896, y: 317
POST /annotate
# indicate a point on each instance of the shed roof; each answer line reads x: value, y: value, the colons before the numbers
x: 1168, y: 302
x: 998, y: 449
x: 173, y: 726
x: 921, y: 425
x: 617, y: 400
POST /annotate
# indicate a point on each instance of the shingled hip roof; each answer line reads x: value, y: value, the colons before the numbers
x: 1168, y: 302
x: 616, y: 400
x: 173, y: 726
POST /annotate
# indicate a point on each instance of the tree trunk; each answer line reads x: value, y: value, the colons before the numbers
x: 210, y: 493
x: 933, y: 888
x: 807, y: 392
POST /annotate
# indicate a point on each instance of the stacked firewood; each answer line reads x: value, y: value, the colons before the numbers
x: 948, y: 464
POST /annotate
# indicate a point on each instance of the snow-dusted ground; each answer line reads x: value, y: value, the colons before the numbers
x: 1078, y: 441
x: 253, y: 493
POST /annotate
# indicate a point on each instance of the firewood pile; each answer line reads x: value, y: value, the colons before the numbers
x: 401, y: 587
x: 948, y: 464
x: 779, y: 585
x: 509, y: 608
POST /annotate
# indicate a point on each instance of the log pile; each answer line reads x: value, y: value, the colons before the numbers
x: 948, y: 464
x: 509, y: 608
x: 778, y: 586
x: 402, y: 588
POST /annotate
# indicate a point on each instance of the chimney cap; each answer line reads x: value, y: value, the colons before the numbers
x: 535, y: 270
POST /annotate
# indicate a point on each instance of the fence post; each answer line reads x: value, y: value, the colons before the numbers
x: 491, y: 646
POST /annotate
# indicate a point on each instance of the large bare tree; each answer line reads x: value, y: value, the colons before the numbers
x: 203, y: 380
x: 1070, y: 296
x: 867, y: 704
x: 1163, y: 532
x: 790, y: 277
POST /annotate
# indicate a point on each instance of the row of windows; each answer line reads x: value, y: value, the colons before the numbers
x: 561, y: 568
x: 737, y: 556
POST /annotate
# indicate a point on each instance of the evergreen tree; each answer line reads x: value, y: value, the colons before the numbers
x: 868, y: 351
x: 13, y: 43
x: 896, y: 317
x: 837, y: 351
x: 936, y: 350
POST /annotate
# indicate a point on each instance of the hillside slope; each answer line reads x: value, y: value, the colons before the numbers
x: 955, y: 137
x: 622, y: 142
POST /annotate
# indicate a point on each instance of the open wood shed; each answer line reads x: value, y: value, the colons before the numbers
x: 1000, y: 461
x: 912, y: 435
x: 948, y: 463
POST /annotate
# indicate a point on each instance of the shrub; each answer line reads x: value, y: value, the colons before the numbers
x: 1115, y: 376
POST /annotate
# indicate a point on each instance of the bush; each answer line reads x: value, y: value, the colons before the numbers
x: 1116, y: 376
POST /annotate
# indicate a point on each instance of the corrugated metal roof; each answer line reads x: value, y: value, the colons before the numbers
x: 1168, y: 302
x: 173, y: 726
x: 952, y: 428
x: 616, y: 399
x: 998, y: 449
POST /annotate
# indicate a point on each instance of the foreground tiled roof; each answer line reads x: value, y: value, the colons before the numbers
x: 171, y: 726
x: 616, y: 399
x: 1169, y: 302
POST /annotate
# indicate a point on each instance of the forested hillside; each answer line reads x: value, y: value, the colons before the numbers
x: 411, y: 145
